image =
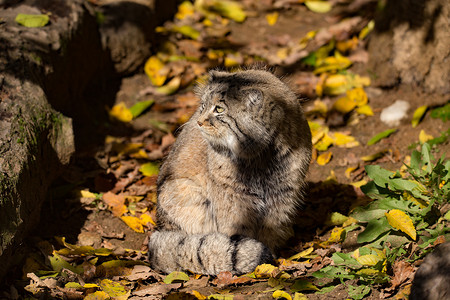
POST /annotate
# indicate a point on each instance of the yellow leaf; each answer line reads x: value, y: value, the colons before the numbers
x: 146, y: 218
x: 149, y: 169
x: 324, y: 158
x: 320, y: 84
x: 198, y: 295
x: 418, y: 114
x: 317, y: 131
x: 302, y: 254
x: 282, y: 53
x: 424, y: 137
x: 368, y: 260
x: 319, y: 107
x: 324, y: 143
x: 358, y: 96
x: 226, y: 8
x: 331, y: 177
x: 171, y: 87
x: 114, y: 289
x: 374, y: 156
x: 155, y: 70
x: 233, y: 60
x: 86, y: 194
x: 332, y: 63
x: 359, y: 183
x: 308, y: 37
x: 185, y: 9
x: 367, y: 272
x: 344, y: 140
x: 401, y: 221
x: 140, y: 154
x: 335, y: 84
x: 134, y: 223
x: 265, y: 270
x: 318, y: 6
x: 281, y: 294
x: 98, y: 295
x: 367, y: 29
x: 344, y: 105
x: 344, y: 46
x: 121, y: 113
x: 272, y: 18
x: 187, y: 30
x: 337, y: 234
x: 300, y: 296
x: 349, y: 171
x: 90, y: 285
x: 365, y: 110
x: 349, y: 222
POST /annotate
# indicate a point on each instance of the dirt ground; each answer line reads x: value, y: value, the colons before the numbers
x: 105, y: 167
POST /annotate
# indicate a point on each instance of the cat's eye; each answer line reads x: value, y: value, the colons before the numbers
x: 219, y: 109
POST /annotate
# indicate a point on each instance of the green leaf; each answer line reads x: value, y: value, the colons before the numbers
x: 138, y: 108
x: 73, y: 285
x: 319, y: 6
x: 373, y: 230
x: 345, y: 259
x: 367, y: 214
x: 380, y: 136
x: 188, y: 31
x: 358, y: 292
x: 58, y: 263
x: 303, y: 285
x: 442, y: 112
x: 149, y: 169
x: 176, y: 276
x: 32, y: 20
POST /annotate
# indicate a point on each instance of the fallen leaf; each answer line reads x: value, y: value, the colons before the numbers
x: 367, y: 29
x: 185, y: 9
x: 344, y: 140
x: 424, y: 137
x: 138, y: 108
x: 402, y: 272
x: 114, y: 289
x: 302, y: 254
x: 401, y: 221
x: 226, y: 8
x: 187, y: 31
x: 171, y: 87
x: 365, y: 110
x: 149, y: 169
x: 121, y: 113
x: 134, y: 223
x: 272, y: 18
x: 381, y: 136
x: 265, y: 271
x: 318, y: 6
x: 374, y: 156
x: 324, y: 158
x: 98, y: 295
x: 32, y: 20
x: 176, y: 276
x: 279, y: 294
x: 303, y: 285
x: 155, y: 70
x: 418, y: 114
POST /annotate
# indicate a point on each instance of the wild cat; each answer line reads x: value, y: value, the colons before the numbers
x: 229, y: 188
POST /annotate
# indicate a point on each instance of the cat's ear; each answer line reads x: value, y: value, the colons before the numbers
x: 254, y: 96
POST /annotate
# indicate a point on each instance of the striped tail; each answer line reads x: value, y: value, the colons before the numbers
x: 207, y: 254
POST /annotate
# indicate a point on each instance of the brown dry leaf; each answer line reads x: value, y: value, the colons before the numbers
x: 403, y: 272
x: 226, y: 278
x: 116, y: 203
x: 157, y: 289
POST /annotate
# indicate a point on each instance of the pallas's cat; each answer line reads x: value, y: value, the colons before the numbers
x: 230, y: 186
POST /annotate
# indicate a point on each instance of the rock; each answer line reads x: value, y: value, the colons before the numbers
x: 410, y: 45
x: 393, y: 114
x: 54, y: 84
x: 432, y: 280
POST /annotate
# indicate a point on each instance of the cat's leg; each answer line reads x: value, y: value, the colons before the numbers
x: 206, y: 253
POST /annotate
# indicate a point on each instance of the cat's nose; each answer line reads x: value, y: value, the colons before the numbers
x: 200, y: 123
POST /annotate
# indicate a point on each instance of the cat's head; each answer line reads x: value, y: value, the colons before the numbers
x: 240, y: 113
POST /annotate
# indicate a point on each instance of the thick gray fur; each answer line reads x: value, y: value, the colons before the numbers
x: 230, y: 186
